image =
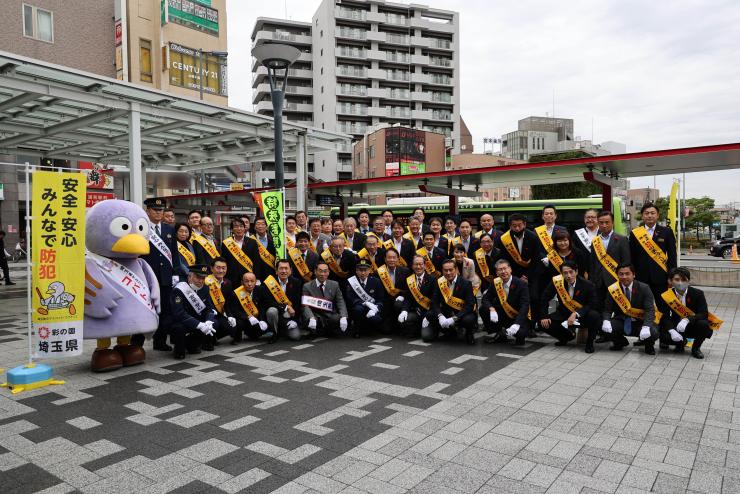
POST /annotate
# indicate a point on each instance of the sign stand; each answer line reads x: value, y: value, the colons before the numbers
x: 32, y: 375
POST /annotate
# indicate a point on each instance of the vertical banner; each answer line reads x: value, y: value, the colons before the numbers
x: 272, y: 209
x: 673, y: 209
x: 58, y: 253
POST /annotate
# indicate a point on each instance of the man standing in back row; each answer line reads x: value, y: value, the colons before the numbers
x: 653, y: 251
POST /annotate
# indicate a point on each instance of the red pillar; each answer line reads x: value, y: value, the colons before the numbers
x: 452, y: 204
x: 606, y: 190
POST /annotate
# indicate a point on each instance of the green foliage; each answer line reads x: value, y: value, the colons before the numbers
x: 558, y: 156
x: 701, y: 213
x: 570, y: 190
x: 662, y: 204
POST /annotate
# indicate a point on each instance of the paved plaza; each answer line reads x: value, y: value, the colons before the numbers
x: 379, y: 415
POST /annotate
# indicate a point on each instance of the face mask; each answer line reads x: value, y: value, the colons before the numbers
x: 194, y: 287
x: 681, y: 286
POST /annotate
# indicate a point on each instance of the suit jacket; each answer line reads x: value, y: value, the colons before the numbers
x: 496, y: 254
x: 494, y: 233
x: 648, y: 270
x: 438, y: 256
x: 463, y: 290
x: 379, y: 258
x: 619, y: 250
x: 323, y: 240
x: 577, y: 256
x: 180, y: 266
x: 226, y: 289
x: 162, y: 267
x: 443, y: 244
x: 529, y: 252
x: 642, y: 298
x: 408, y: 251
x: 358, y: 242
x: 382, y: 237
x: 183, y: 313
x: 427, y: 288
x: 584, y: 293
x: 555, y: 228
x: 235, y: 270
x: 201, y: 255
x: 292, y: 290
x: 262, y: 269
x: 312, y: 259
x: 473, y: 245
x: 518, y: 298
x: 695, y: 300
x: 400, y: 284
x: 332, y: 291
x: 373, y: 287
x: 258, y: 297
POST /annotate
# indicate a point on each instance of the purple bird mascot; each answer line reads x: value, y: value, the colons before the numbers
x: 121, y: 291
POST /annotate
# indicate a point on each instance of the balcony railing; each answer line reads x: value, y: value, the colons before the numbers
x: 351, y: 14
x: 398, y: 39
x: 343, y: 32
x: 399, y: 111
x: 440, y: 61
x: 442, y: 97
x: 391, y: 56
x: 352, y: 90
x: 352, y: 71
x: 439, y: 43
x: 441, y: 79
x: 352, y: 109
x: 397, y: 75
x: 345, y: 51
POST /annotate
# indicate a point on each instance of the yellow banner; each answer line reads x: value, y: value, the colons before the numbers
x: 186, y: 254
x: 673, y: 209
x: 607, y: 261
x: 498, y: 284
x: 58, y: 253
x: 217, y: 296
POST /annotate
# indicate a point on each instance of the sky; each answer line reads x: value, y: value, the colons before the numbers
x: 652, y: 75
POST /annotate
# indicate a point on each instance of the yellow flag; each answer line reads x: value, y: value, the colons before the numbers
x: 673, y: 209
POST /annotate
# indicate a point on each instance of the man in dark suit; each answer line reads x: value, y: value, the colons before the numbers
x: 519, y: 247
x: 393, y: 278
x: 193, y: 317
x: 248, y: 305
x: 240, y: 252
x: 373, y: 253
x: 452, y: 307
x: 283, y: 295
x: 576, y: 300
x: 302, y: 259
x: 486, y: 224
x: 584, y: 236
x: 419, y: 214
x: 653, y: 270
x: 484, y: 260
x: 686, y: 315
x: 206, y: 245
x: 433, y: 256
x: 365, y: 298
x: 265, y: 262
x: 354, y: 240
x: 403, y: 246
x: 323, y: 306
x: 4, y: 260
x: 341, y: 261
x: 363, y: 221
x: 220, y: 289
x: 630, y: 310
x: 617, y: 252
x: 379, y: 230
x: 501, y: 322
x: 467, y: 239
x: 162, y: 248
x: 415, y: 233
x: 415, y: 306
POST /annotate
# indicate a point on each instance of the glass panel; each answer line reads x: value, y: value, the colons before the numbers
x: 145, y: 60
x: 45, y: 28
x: 28, y: 20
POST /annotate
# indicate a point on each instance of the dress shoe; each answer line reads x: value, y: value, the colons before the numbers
x: 105, y: 360
x: 602, y: 339
x: 8, y: 283
x: 678, y: 349
x: 638, y: 343
x: 272, y: 337
x: 518, y: 342
x: 194, y: 351
x: 131, y: 354
x: 470, y: 338
x: 616, y: 348
x: 561, y: 343
x: 649, y: 349
x: 663, y: 346
x: 162, y: 347
x: 208, y: 347
x: 589, y: 348
x: 356, y: 334
x: 179, y: 355
x: 696, y: 353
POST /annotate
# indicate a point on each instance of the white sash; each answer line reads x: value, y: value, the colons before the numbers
x: 195, y: 301
x: 355, y: 284
x: 126, y: 279
x: 584, y: 237
x: 159, y: 244
x: 317, y: 303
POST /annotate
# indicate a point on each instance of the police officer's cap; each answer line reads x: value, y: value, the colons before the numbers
x: 363, y: 264
x: 200, y: 269
x: 155, y: 203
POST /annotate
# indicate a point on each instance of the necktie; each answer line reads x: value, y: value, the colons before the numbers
x: 363, y: 285
x: 506, y: 289
x: 321, y: 287
x: 627, y: 319
x: 304, y: 256
x: 156, y: 229
x: 570, y: 291
x: 418, y: 280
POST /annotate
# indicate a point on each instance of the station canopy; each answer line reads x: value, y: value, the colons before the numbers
x: 51, y: 111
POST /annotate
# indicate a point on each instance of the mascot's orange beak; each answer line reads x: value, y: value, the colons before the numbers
x: 131, y: 244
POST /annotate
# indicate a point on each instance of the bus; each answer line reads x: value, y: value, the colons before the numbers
x: 570, y: 211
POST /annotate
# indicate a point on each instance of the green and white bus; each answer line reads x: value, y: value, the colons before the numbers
x: 570, y: 211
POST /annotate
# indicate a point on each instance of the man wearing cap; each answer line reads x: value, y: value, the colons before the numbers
x: 302, y: 259
x: 451, y: 310
x: 162, y: 246
x: 248, y: 305
x: 364, y: 298
x: 323, y: 307
x: 193, y: 314
x: 283, y: 301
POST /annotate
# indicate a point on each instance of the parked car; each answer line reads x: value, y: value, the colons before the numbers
x: 723, y: 247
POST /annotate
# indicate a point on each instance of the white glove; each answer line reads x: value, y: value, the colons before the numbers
x: 371, y: 306
x: 343, y: 324
x: 675, y: 336
x: 206, y: 328
x: 449, y: 322
x: 564, y: 324
x: 286, y: 314
x: 442, y: 320
x: 292, y: 324
x: 645, y: 333
x: 424, y: 323
x: 232, y: 321
x: 312, y: 323
x: 606, y: 327
x: 403, y: 316
x: 400, y: 298
x: 494, y: 316
x: 512, y: 330
x: 253, y: 321
x: 545, y: 261
x: 681, y: 326
x: 371, y: 313
x: 263, y: 325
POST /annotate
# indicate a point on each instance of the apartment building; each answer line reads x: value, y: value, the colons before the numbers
x: 372, y: 62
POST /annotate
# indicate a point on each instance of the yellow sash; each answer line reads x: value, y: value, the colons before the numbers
x: 289, y: 242
x: 416, y: 292
x: 428, y: 264
x: 277, y: 291
x: 512, y: 250
x: 238, y: 254
x: 343, y: 236
x: 480, y: 258
x: 498, y: 284
x: 208, y: 246
x: 549, y: 246
x: 265, y: 254
x: 408, y: 236
x: 650, y: 247
x: 388, y: 244
x: 186, y: 254
x: 571, y: 304
x: 451, y: 243
x: 300, y: 263
x: 450, y: 299
x: 312, y: 246
x: 364, y: 254
x: 385, y: 277
x: 216, y: 294
x: 246, y: 301
x: 615, y: 290
x: 605, y: 259
x: 333, y: 264
x: 670, y: 298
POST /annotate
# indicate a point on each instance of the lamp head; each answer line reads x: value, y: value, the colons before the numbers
x: 276, y: 56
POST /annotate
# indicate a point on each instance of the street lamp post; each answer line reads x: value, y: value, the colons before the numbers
x: 277, y: 57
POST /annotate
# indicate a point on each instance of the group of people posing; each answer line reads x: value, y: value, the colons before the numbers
x: 434, y: 279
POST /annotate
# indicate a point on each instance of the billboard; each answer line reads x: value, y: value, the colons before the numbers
x: 195, y: 15
x: 405, y: 151
x: 185, y: 66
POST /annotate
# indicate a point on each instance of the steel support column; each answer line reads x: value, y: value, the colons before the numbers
x: 136, y: 172
x: 300, y: 173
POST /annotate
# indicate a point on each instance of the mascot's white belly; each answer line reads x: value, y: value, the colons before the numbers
x: 111, y: 305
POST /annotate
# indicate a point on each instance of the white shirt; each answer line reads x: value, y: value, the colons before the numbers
x: 452, y: 285
x: 283, y: 285
x: 682, y: 298
x: 239, y: 242
x: 650, y: 230
x: 519, y: 242
x: 398, y: 243
x: 550, y: 229
x: 592, y: 233
x: 605, y: 240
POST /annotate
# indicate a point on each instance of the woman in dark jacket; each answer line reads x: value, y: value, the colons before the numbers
x: 564, y: 248
x: 185, y: 253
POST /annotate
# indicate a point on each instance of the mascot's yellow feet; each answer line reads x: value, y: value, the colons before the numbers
x: 130, y: 354
x: 105, y: 360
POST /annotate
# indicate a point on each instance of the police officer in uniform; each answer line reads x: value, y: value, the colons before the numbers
x: 193, y: 314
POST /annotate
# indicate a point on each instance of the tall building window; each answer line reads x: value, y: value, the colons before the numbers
x: 145, y: 60
x: 38, y: 23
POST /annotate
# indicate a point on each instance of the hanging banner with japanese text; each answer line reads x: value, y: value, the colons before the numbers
x: 272, y: 209
x: 58, y: 254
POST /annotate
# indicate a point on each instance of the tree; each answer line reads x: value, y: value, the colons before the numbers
x: 571, y: 190
x: 701, y: 213
x: 662, y: 204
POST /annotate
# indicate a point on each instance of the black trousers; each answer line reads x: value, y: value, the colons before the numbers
x: 412, y: 325
x: 358, y: 315
x: 618, y: 336
x: 698, y: 330
x: 4, y: 267
x: 185, y: 339
x: 468, y: 324
x: 327, y: 324
x: 244, y: 327
x: 504, y: 321
x: 391, y: 309
x: 591, y: 321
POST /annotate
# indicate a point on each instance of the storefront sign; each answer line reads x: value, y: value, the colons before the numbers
x: 405, y: 151
x: 185, y: 65
x: 195, y: 15
x: 92, y: 198
x: 98, y: 175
